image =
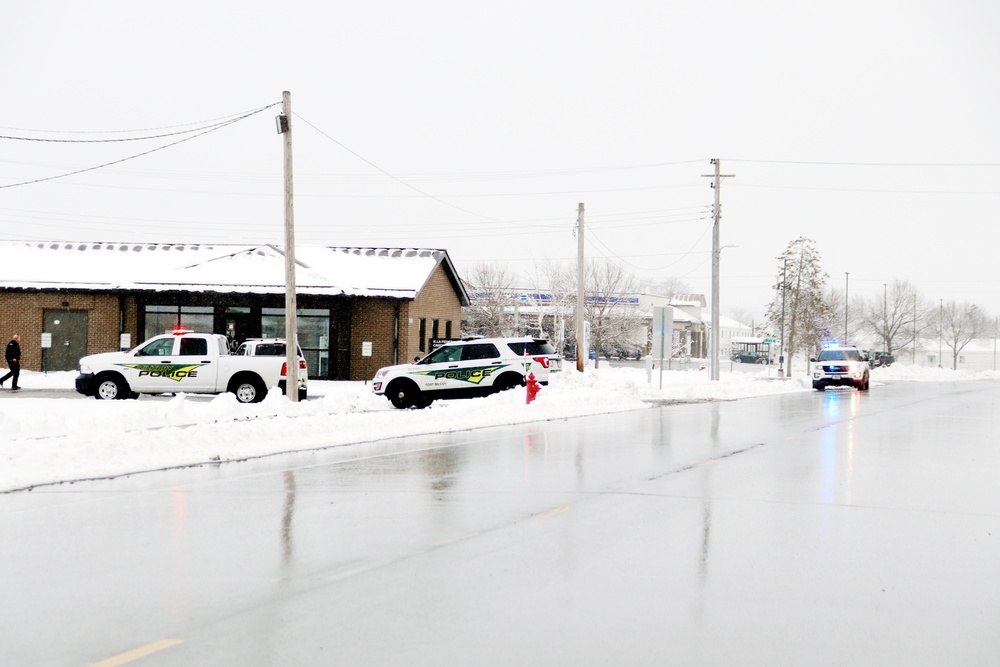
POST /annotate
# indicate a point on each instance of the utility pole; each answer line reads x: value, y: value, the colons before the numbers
x: 580, y: 351
x: 713, y: 361
x: 291, y: 326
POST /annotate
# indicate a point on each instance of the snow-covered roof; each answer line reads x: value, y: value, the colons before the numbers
x: 390, y: 272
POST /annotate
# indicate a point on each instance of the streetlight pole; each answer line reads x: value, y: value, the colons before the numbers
x: 847, y: 293
x: 940, y: 331
x: 885, y: 319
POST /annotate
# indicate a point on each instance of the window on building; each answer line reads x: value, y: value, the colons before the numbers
x: 447, y: 329
x: 162, y: 319
x: 423, y: 335
x: 313, y: 330
x: 435, y: 328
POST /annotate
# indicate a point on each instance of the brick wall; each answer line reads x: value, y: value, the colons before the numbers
x: 436, y: 301
x: 22, y: 313
x: 373, y: 320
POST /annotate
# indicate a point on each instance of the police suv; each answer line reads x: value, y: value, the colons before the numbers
x: 465, y: 369
x: 840, y: 365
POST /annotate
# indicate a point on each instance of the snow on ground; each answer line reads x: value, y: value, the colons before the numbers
x: 45, y: 440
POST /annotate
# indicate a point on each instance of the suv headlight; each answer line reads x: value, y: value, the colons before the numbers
x: 86, y: 369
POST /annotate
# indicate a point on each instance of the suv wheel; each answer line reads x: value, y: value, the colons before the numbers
x: 404, y: 394
x: 819, y: 386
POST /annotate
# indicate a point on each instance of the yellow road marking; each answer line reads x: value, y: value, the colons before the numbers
x: 455, y: 539
x: 136, y: 653
x: 553, y: 512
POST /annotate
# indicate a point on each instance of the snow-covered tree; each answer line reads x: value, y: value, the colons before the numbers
x: 800, y: 308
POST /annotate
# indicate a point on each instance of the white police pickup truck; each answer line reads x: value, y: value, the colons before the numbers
x: 197, y: 363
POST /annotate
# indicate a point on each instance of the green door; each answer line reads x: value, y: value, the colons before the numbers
x: 69, y: 339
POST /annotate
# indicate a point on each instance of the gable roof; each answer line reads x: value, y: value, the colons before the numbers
x: 390, y: 272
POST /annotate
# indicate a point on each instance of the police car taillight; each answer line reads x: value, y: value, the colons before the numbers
x: 544, y: 361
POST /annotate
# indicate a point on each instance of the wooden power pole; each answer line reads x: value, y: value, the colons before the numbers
x: 580, y: 275
x: 291, y: 325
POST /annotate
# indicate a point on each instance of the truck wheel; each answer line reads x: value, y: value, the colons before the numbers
x: 111, y: 387
x: 248, y: 390
x: 404, y: 394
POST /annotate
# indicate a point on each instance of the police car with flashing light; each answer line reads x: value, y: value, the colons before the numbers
x: 467, y: 368
x: 840, y: 366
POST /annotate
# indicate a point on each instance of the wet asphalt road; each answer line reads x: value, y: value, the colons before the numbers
x: 837, y: 528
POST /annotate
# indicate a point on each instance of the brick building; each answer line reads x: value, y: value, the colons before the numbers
x: 67, y: 300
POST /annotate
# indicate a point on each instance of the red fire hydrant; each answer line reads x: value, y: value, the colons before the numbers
x: 533, y: 387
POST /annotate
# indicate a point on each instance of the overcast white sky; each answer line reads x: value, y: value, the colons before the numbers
x: 867, y: 126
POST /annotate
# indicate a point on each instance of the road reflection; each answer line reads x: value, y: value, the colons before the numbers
x: 286, y: 517
x: 837, y: 445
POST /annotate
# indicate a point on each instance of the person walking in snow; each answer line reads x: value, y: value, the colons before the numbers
x: 13, y: 356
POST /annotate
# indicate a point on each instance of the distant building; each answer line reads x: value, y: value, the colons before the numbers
x: 83, y: 298
x: 541, y: 314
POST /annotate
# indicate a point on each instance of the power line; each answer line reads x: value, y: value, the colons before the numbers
x: 868, y: 190
x: 872, y: 164
x: 240, y: 114
x: 137, y: 155
x: 395, y: 178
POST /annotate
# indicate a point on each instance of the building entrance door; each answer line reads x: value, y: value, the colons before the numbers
x: 69, y: 339
x: 238, y: 328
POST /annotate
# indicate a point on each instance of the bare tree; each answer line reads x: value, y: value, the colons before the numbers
x: 894, y: 317
x: 608, y: 287
x: 668, y: 287
x: 960, y: 325
x: 612, y: 319
x: 490, y: 287
x: 800, y: 307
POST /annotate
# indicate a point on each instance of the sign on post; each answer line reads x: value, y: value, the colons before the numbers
x: 663, y: 334
x: 366, y: 351
x: 46, y: 340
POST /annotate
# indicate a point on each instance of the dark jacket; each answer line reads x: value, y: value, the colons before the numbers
x: 13, y: 352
